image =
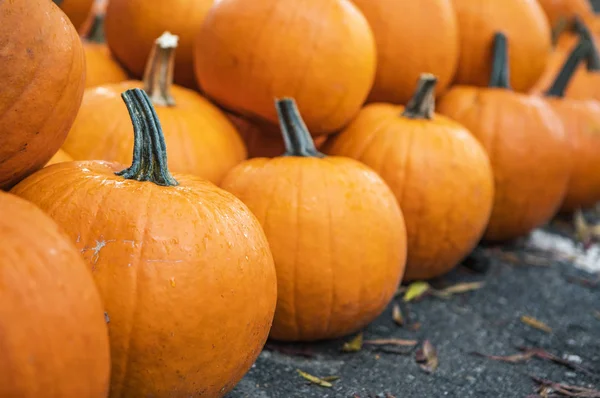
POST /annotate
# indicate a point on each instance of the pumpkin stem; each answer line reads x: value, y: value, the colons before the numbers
x: 422, y: 103
x: 593, y: 59
x: 297, y: 139
x: 158, y: 76
x: 149, y: 148
x: 558, y: 29
x: 57, y: 2
x: 581, y: 51
x: 500, y: 69
x: 96, y: 32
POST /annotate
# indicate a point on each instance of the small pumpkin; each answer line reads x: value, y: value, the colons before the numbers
x: 581, y: 119
x: 54, y: 339
x: 440, y: 174
x: 321, y: 52
x: 422, y: 37
x: 132, y: 26
x: 42, y: 73
x: 183, y: 267
x: 202, y: 141
x: 527, y: 29
x: 335, y: 229
x: 59, y: 157
x: 564, y: 10
x: 526, y: 144
x: 101, y: 67
x: 78, y: 11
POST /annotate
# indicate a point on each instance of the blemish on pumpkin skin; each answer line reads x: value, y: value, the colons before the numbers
x: 96, y: 249
x: 106, y: 317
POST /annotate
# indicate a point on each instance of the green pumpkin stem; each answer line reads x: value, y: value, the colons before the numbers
x: 96, y: 33
x: 149, y: 148
x: 297, y: 139
x: 579, y: 53
x: 500, y: 68
x: 422, y: 103
x: 593, y: 59
x: 158, y: 76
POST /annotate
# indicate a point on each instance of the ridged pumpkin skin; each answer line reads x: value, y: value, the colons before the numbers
x: 412, y: 37
x: 78, y: 11
x: 321, y: 52
x: 43, y: 74
x: 337, y: 236
x: 54, y: 339
x: 132, y: 26
x: 101, y: 67
x: 173, y: 264
x: 441, y: 177
x: 528, y: 32
x: 556, y: 10
x: 59, y: 157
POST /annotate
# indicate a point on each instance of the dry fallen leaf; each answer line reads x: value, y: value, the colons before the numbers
x: 330, y: 378
x: 398, y: 342
x: 416, y: 290
x: 459, y: 288
x: 515, y: 358
x: 426, y: 357
x: 314, y: 379
x: 354, y: 345
x: 564, y: 390
x: 534, y: 323
x: 582, y: 229
x: 397, y: 315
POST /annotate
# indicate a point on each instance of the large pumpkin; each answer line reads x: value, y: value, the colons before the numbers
x: 581, y: 119
x: 335, y: 229
x: 54, y: 339
x: 201, y: 139
x: 42, y: 70
x: 101, y: 67
x: 565, y: 10
x: 321, y: 52
x: 412, y: 37
x: 440, y: 174
x: 526, y: 144
x: 78, y: 11
x: 183, y: 267
x: 526, y: 27
x: 132, y: 26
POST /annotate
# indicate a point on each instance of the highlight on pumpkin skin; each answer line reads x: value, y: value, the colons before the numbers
x: 440, y: 174
x: 303, y: 199
x: 526, y: 143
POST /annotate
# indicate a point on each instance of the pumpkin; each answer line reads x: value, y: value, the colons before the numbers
x: 335, y: 229
x: 585, y: 84
x: 526, y: 144
x: 409, y: 45
x: 321, y: 52
x: 78, y: 11
x: 59, y: 157
x: 131, y: 27
x: 564, y: 10
x: 202, y: 141
x: 101, y: 67
x: 526, y: 27
x: 183, y: 267
x: 440, y: 174
x: 581, y: 119
x: 42, y: 75
x: 54, y: 339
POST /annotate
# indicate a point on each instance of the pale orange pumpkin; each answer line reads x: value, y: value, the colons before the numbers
x: 59, y: 157
x: 78, y: 11
x: 101, y: 67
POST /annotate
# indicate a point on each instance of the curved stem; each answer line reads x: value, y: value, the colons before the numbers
x: 593, y: 59
x: 149, y: 148
x: 158, y: 76
x: 297, y: 139
x: 579, y: 53
x: 96, y: 32
x: 422, y: 103
x: 500, y: 69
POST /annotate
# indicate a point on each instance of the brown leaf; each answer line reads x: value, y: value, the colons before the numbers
x: 315, y: 380
x: 542, y: 354
x: 515, y: 358
x: 398, y: 342
x: 426, y: 357
x: 354, y: 345
x: 459, y: 288
x: 416, y: 290
x: 534, y: 323
x: 330, y: 378
x: 397, y: 315
x: 564, y: 390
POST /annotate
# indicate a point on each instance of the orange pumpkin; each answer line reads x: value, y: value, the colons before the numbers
x: 59, y: 157
x: 132, y: 26
x: 581, y: 119
x: 526, y: 27
x: 54, y: 339
x: 335, y: 229
x: 202, y: 141
x: 440, y: 174
x: 408, y: 46
x: 77, y: 10
x: 42, y: 73
x: 557, y: 10
x: 321, y: 52
x: 101, y: 67
x: 526, y: 144
x: 585, y: 84
x: 174, y: 257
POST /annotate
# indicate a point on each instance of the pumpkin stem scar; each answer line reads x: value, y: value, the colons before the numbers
x: 158, y: 76
x: 297, y: 139
x: 422, y: 103
x: 500, y: 70
x: 149, y: 148
x: 593, y: 59
x: 579, y: 53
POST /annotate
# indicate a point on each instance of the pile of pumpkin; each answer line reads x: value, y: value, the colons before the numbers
x: 312, y: 171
